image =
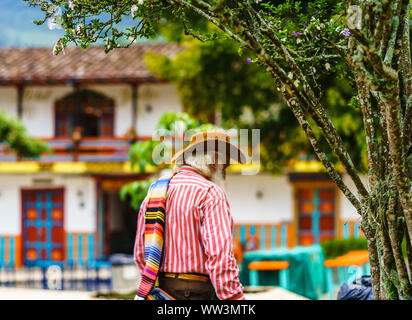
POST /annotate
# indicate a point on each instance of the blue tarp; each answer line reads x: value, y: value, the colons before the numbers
x: 306, y: 270
x: 359, y: 289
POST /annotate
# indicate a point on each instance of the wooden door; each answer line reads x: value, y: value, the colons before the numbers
x: 316, y: 207
x: 42, y: 226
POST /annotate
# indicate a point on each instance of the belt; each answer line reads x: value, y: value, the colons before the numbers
x: 186, y: 276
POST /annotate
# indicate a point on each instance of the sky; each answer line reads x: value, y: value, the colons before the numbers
x: 18, y: 30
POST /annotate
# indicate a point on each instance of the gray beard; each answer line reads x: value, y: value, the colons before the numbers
x: 201, y: 164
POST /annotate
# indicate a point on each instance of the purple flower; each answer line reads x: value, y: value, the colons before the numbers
x: 297, y: 33
x: 270, y: 23
x: 346, y: 32
x: 249, y: 60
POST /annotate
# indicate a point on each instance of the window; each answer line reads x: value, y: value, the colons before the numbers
x: 316, y: 208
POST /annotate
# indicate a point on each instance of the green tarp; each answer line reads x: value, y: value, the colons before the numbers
x: 307, y: 275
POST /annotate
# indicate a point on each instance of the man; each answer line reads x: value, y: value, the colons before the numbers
x: 198, y: 261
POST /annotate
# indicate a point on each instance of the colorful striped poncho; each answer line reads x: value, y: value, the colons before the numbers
x: 154, y: 234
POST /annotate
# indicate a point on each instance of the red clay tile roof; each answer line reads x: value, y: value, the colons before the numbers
x: 27, y: 65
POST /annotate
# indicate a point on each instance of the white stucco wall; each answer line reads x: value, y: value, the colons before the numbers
x: 38, y: 106
x: 76, y: 218
x: 38, y: 109
x: 162, y: 98
x: 348, y: 211
x: 152, y: 101
x: 275, y: 205
x: 8, y: 100
x: 121, y: 94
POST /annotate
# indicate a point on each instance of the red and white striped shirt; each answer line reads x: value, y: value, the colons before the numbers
x: 198, y: 235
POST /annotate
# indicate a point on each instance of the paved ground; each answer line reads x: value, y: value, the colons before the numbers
x: 273, y: 293
x: 35, y: 294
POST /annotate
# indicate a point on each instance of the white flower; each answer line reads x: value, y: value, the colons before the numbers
x: 140, y: 1
x: 298, y: 40
x: 71, y: 5
x: 55, y: 21
x: 52, y: 9
x: 133, y: 10
x: 290, y: 75
x: 51, y: 23
x: 78, y: 29
x: 296, y: 83
x: 327, y: 66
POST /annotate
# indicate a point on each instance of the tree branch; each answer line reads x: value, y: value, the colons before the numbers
x: 396, y: 240
x: 313, y: 107
x: 208, y: 16
x: 406, y: 71
x: 371, y: 138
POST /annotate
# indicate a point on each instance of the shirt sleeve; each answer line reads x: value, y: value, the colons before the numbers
x: 217, y: 230
x: 139, y: 249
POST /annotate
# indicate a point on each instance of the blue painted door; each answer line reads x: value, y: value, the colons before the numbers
x: 43, y: 230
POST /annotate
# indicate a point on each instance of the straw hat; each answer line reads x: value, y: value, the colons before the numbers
x: 211, y: 141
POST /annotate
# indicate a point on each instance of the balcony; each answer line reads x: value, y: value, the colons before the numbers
x: 102, y: 149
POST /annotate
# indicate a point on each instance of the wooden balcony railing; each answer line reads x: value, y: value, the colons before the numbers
x: 103, y: 149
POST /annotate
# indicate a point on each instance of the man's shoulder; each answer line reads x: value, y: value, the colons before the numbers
x: 200, y: 183
x: 195, y: 180
x: 216, y: 192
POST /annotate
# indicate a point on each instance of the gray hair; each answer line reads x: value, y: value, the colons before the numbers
x: 201, y: 163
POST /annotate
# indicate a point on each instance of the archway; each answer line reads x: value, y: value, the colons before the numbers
x: 89, y: 111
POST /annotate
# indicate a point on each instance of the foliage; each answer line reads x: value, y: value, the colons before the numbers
x: 13, y: 132
x: 339, y: 247
x: 213, y: 77
x: 137, y: 191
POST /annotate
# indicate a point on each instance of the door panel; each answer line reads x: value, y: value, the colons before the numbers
x: 92, y: 111
x: 43, y: 229
x: 316, y: 214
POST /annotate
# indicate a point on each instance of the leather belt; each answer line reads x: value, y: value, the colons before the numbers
x: 186, y: 276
